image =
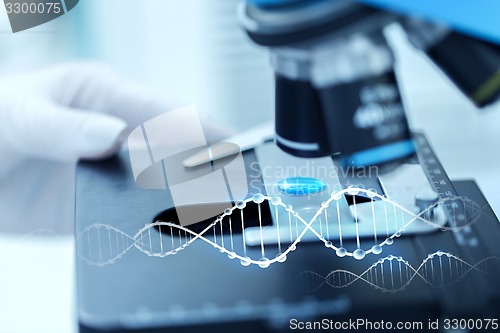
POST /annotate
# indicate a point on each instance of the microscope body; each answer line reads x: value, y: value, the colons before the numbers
x: 336, y: 94
x: 336, y: 90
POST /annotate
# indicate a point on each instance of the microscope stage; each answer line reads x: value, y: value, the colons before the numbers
x: 139, y: 270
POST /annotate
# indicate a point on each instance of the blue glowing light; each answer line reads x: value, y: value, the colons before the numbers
x: 380, y: 154
x: 301, y: 186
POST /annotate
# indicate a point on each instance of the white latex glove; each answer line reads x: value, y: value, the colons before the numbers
x: 49, y: 120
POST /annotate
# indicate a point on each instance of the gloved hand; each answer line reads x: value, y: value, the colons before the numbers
x: 49, y: 120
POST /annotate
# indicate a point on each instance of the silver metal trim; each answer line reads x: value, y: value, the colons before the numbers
x: 297, y: 145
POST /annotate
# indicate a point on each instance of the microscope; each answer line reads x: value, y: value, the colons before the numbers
x: 315, y: 237
x: 336, y: 90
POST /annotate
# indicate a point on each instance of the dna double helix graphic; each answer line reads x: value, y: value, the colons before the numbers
x: 393, y: 274
x: 238, y: 236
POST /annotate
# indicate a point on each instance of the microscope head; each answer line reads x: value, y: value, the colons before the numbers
x: 336, y: 91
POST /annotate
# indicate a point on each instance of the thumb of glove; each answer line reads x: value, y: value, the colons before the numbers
x: 39, y: 128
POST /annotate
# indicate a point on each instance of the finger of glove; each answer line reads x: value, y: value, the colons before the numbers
x: 38, y: 128
x: 95, y: 87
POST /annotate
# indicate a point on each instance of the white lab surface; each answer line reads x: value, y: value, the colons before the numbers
x: 195, y: 49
